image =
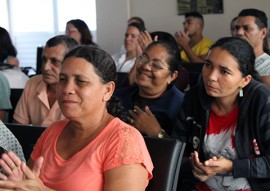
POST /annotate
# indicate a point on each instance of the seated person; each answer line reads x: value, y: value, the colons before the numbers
x: 91, y: 150
x: 9, y: 64
x: 232, y: 26
x: 153, y: 102
x: 125, y: 60
x: 193, y: 45
x: 133, y: 19
x: 257, y: 38
x: 136, y: 19
x: 225, y: 121
x: 144, y: 39
x: 78, y: 29
x: 5, y: 103
x: 38, y: 105
x: 16, y: 77
x: 8, y: 52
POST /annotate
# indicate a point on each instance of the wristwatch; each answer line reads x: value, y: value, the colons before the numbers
x: 161, y: 134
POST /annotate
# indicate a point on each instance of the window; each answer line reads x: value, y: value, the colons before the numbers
x: 32, y: 22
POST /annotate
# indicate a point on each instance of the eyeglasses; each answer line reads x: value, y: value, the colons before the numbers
x: 155, y: 65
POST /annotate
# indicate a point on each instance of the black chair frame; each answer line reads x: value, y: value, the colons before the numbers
x: 27, y: 135
x: 166, y: 156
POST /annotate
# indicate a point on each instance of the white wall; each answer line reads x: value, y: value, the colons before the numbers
x: 162, y: 15
x: 111, y: 22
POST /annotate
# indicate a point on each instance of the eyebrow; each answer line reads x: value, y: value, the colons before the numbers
x: 245, y: 25
x: 55, y: 59
x: 207, y: 60
x: 220, y: 67
x: 154, y: 59
x: 225, y: 68
x: 74, y: 75
x: 145, y: 54
x: 71, y: 29
x: 189, y: 20
x: 51, y: 58
x: 131, y: 34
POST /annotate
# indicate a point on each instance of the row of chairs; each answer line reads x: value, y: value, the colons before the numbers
x: 166, y: 155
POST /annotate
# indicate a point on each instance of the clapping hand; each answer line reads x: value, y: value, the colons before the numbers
x: 209, y: 168
x: 18, y: 176
x: 182, y: 39
x: 144, y: 39
x: 145, y: 122
x: 11, y: 164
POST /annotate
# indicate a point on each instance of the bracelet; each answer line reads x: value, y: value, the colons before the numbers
x: 161, y: 134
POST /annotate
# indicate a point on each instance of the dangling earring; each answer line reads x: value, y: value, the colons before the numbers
x: 241, y: 92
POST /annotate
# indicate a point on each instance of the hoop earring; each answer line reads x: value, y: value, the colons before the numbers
x: 241, y: 93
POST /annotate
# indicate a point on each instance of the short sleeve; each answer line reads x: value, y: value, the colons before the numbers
x: 129, y: 148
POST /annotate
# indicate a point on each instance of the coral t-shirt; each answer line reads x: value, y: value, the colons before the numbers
x: 117, y: 144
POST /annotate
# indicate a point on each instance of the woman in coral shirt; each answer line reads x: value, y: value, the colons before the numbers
x: 93, y: 149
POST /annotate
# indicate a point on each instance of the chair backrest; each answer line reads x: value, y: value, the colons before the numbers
x: 15, y: 95
x: 182, y: 80
x: 38, y: 59
x: 194, y: 70
x: 166, y: 155
x: 122, y: 79
x: 27, y: 135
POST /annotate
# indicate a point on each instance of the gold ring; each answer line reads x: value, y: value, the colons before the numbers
x: 12, y: 168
